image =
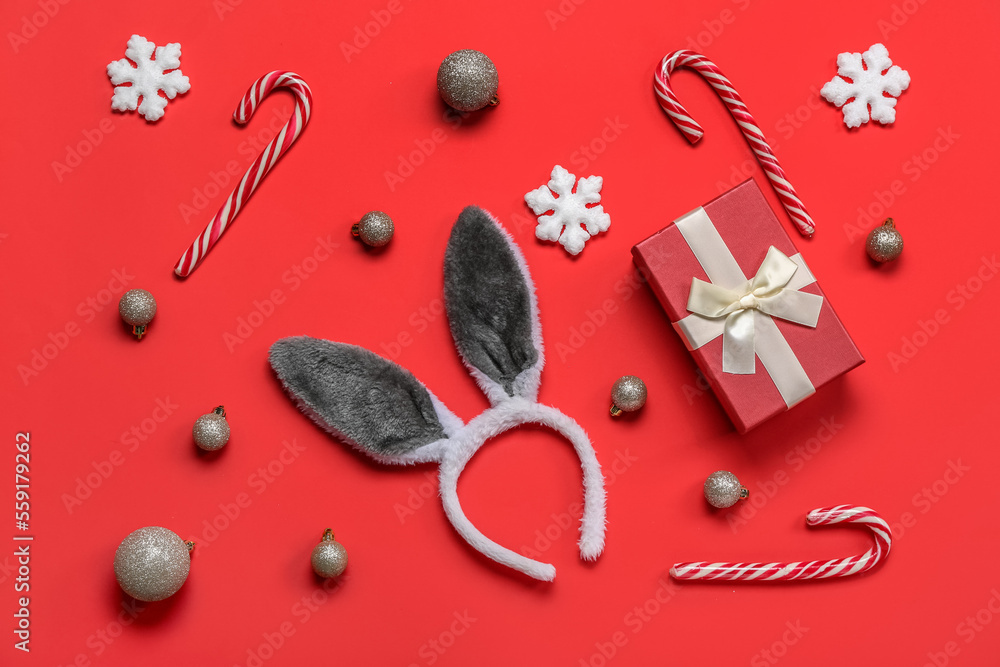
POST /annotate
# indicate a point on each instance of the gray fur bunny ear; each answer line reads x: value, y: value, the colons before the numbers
x: 368, y: 401
x: 492, y: 307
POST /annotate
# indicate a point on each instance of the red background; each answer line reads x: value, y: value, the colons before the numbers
x: 899, y: 427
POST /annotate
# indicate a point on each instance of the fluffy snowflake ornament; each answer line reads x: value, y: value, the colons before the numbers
x: 863, y: 78
x: 147, y: 78
x: 572, y: 222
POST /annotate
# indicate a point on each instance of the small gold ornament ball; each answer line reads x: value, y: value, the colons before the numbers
x: 468, y: 80
x: 375, y: 229
x: 211, y: 431
x: 137, y: 308
x: 885, y: 243
x: 152, y: 563
x: 329, y: 557
x: 627, y: 395
x: 723, y: 489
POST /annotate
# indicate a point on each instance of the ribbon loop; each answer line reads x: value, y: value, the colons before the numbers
x: 767, y: 294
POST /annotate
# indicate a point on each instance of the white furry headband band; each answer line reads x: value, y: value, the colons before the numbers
x: 381, y: 409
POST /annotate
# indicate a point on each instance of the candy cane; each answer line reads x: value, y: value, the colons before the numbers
x: 841, y: 567
x: 195, y: 254
x: 693, y: 131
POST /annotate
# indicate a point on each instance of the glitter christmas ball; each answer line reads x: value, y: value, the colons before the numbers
x: 152, y: 563
x: 211, y: 431
x: 137, y: 307
x: 723, y: 489
x: 329, y: 558
x: 885, y: 243
x: 627, y: 395
x: 468, y: 80
x: 375, y: 229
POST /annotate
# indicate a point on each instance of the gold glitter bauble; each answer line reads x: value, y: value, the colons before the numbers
x: 723, y: 489
x: 375, y: 229
x: 627, y: 395
x: 138, y: 308
x: 468, y: 80
x: 211, y: 431
x: 329, y: 557
x: 152, y: 563
x: 885, y: 243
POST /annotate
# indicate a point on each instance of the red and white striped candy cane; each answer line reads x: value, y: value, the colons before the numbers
x: 817, y: 569
x: 693, y: 131
x: 195, y: 254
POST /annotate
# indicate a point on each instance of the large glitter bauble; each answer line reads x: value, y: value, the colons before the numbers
x: 211, y: 431
x: 138, y: 308
x: 375, y: 229
x: 723, y: 489
x: 329, y: 557
x: 627, y: 395
x: 152, y: 563
x: 468, y: 80
x: 885, y: 243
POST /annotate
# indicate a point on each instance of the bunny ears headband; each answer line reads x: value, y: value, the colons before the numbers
x: 381, y: 409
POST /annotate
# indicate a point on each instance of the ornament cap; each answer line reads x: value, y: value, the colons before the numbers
x: 221, y: 410
x: 356, y: 229
x: 328, y: 535
x: 190, y: 546
x: 139, y: 330
x: 744, y: 493
x: 615, y: 410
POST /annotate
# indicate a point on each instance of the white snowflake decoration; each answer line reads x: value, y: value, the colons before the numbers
x: 149, y: 77
x: 865, y: 77
x: 572, y: 222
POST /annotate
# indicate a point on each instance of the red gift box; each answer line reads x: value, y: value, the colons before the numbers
x: 746, y: 305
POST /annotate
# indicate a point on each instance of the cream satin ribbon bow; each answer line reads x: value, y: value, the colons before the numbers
x: 766, y: 294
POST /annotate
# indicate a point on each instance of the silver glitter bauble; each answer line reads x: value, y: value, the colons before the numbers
x: 468, y: 80
x: 627, y: 395
x: 329, y: 558
x: 211, y: 431
x: 885, y: 243
x: 375, y: 229
x: 152, y: 563
x: 723, y: 489
x: 137, y: 307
